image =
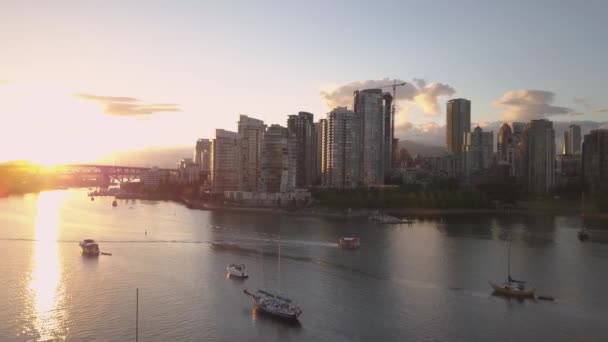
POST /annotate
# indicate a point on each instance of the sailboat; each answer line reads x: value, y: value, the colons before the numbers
x: 512, y: 287
x: 583, y: 234
x: 274, y: 304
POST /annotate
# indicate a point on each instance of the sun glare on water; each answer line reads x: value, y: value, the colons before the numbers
x: 47, y: 296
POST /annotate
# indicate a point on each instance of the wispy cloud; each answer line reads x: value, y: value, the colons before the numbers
x: 129, y: 106
x: 424, y: 95
x: 601, y: 110
x: 525, y: 105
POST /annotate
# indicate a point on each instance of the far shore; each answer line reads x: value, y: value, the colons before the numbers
x: 399, y: 212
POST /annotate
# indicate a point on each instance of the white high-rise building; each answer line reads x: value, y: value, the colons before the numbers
x: 369, y: 111
x: 478, y: 151
x: 539, y: 147
x: 278, y: 162
x: 340, y: 160
x: 224, y: 161
x: 250, y: 135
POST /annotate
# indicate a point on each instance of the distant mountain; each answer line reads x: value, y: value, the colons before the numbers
x: 421, y: 149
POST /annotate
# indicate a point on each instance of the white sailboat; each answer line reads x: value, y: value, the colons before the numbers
x: 274, y: 304
x: 512, y: 287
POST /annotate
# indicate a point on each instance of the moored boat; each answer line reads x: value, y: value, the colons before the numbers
x: 513, y: 288
x: 238, y: 271
x: 349, y: 242
x: 114, y: 203
x: 89, y: 247
x: 275, y: 305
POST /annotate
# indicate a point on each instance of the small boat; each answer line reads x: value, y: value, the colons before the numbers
x: 275, y: 305
x: 238, y: 271
x: 114, y: 203
x: 89, y: 247
x: 92, y: 199
x: 383, y: 218
x: 349, y: 242
x: 512, y: 287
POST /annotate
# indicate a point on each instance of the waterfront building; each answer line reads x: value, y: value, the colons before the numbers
x: 340, y: 149
x: 458, y: 122
x: 595, y: 162
x: 506, y: 146
x: 318, y: 160
x: 567, y: 146
x: 370, y: 115
x: 278, y: 163
x: 478, y: 151
x: 574, y: 139
x: 389, y: 133
x: 539, y: 149
x: 187, y: 171
x: 152, y: 178
x: 224, y: 161
x: 202, y: 155
x: 250, y: 135
x: 302, y: 127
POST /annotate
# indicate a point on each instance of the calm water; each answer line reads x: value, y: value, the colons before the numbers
x: 427, y: 282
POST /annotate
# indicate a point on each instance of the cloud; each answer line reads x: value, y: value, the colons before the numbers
x: 575, y: 113
x: 583, y: 101
x: 526, y: 105
x: 601, y: 110
x: 128, y: 106
x: 426, y: 96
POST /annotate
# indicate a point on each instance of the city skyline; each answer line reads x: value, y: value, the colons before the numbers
x: 97, y: 79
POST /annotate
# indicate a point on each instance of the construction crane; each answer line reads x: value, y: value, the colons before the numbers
x: 394, y: 86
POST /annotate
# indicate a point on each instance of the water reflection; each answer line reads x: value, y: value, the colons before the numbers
x: 46, y: 291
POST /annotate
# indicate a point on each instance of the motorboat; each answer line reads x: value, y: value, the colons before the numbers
x: 383, y: 218
x: 114, y: 203
x: 349, y: 242
x: 275, y: 305
x: 89, y: 247
x: 238, y: 271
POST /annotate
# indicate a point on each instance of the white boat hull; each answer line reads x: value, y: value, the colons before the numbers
x: 234, y: 272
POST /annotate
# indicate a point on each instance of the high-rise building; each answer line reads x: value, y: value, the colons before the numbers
x: 224, y: 161
x: 506, y: 148
x: 458, y: 122
x: 539, y: 147
x: 302, y: 126
x: 389, y: 133
x: 318, y: 162
x: 278, y: 167
x: 369, y: 112
x: 595, y: 162
x: 567, y: 147
x: 202, y: 155
x: 187, y: 171
x: 574, y: 138
x: 341, y: 149
x: 478, y: 151
x: 250, y: 135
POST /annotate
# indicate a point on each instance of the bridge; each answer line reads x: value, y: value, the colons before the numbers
x: 107, y: 173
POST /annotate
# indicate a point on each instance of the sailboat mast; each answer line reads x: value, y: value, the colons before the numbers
x: 279, y: 262
x: 509, y: 259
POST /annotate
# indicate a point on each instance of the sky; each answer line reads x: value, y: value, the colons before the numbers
x: 81, y: 80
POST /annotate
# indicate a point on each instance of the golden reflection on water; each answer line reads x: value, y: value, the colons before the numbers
x: 46, y: 290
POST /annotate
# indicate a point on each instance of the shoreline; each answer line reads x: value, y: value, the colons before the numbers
x: 400, y: 212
